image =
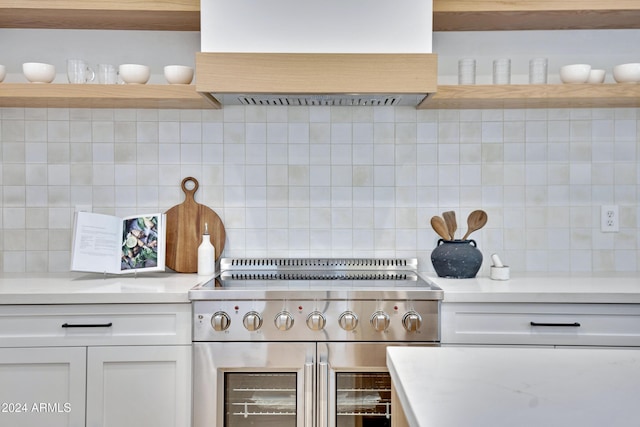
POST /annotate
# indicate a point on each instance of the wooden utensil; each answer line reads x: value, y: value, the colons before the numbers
x: 450, y: 221
x: 185, y: 226
x: 476, y: 220
x: 440, y: 227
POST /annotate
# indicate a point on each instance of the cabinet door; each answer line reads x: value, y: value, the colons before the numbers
x: 42, y: 386
x: 133, y: 386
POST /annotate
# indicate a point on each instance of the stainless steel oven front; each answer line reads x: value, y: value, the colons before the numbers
x: 297, y: 352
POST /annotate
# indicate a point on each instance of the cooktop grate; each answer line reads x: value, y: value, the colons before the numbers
x: 314, y: 276
x: 315, y: 264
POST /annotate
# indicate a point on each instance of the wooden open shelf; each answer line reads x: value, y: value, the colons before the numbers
x: 494, y: 15
x: 171, y: 15
x: 102, y: 96
x: 448, y: 15
x: 447, y: 97
x: 534, y: 96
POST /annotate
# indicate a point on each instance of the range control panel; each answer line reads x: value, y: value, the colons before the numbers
x: 316, y: 320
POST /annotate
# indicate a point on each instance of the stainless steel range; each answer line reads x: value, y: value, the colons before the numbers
x: 302, y: 342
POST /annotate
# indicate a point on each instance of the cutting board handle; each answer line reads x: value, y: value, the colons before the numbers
x: 190, y: 194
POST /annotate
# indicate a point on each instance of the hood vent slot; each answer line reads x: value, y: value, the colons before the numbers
x: 320, y: 100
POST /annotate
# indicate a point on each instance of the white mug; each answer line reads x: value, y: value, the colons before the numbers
x: 79, y: 72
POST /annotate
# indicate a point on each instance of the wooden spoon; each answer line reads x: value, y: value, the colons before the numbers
x: 440, y: 227
x: 475, y: 221
x: 450, y: 220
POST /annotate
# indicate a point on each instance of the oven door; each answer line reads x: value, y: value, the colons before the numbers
x: 354, y: 384
x: 254, y: 384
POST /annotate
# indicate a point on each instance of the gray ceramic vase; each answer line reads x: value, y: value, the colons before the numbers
x: 456, y: 259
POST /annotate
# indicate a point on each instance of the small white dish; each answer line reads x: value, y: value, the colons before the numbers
x: 178, y: 74
x: 627, y: 73
x: 134, y: 73
x: 39, y: 72
x: 575, y: 73
x: 596, y: 76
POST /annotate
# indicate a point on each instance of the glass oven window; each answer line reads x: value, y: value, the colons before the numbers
x: 363, y: 399
x: 260, y: 399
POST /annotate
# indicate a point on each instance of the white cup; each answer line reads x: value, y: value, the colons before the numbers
x: 107, y: 74
x: 596, y: 76
x: 79, y: 72
x: 467, y: 71
x: 3, y: 73
x: 502, y: 71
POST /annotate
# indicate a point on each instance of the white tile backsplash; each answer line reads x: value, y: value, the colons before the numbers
x: 332, y: 181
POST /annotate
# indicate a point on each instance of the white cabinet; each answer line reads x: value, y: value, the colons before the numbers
x: 42, y: 386
x: 139, y: 386
x: 541, y: 324
x: 120, y: 365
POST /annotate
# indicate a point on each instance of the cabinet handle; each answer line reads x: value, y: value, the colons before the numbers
x: 309, y: 389
x: 323, y: 391
x: 573, y: 325
x: 87, y: 325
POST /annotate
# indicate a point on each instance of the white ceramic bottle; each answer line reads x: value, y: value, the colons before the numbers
x: 206, y: 254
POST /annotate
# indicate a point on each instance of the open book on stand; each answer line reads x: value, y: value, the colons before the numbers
x: 109, y: 244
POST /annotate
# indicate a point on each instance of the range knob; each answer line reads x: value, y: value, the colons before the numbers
x: 316, y: 321
x: 348, y: 321
x: 252, y: 321
x: 411, y: 321
x: 380, y: 321
x: 283, y: 321
x: 220, y: 321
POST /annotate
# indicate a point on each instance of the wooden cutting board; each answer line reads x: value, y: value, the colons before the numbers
x: 185, y: 226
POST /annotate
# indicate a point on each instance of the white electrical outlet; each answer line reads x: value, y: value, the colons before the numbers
x: 609, y: 219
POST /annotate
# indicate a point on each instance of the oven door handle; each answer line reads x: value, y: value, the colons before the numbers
x: 309, y: 387
x: 323, y: 394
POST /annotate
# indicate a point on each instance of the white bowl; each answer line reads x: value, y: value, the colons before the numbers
x: 575, y: 73
x: 178, y: 74
x: 134, y: 73
x: 627, y: 73
x: 38, y: 72
x: 596, y: 76
x: 3, y: 73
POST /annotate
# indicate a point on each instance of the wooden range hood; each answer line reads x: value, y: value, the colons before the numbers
x: 310, y: 52
x: 348, y: 79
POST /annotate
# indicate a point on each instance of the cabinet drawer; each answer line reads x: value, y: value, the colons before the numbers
x: 94, y: 324
x: 541, y: 324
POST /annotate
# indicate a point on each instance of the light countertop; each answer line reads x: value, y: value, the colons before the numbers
x: 543, y: 288
x: 168, y: 287
x: 527, y: 387
x: 83, y: 288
